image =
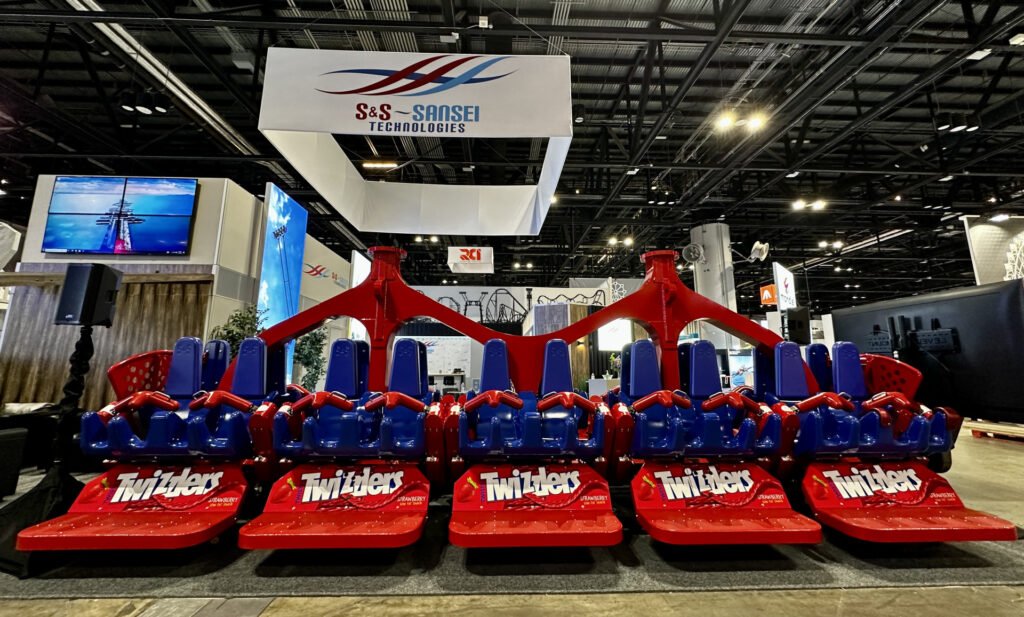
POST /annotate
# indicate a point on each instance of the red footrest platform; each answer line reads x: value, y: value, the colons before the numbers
x: 896, y: 502
x: 145, y: 507
x: 725, y: 503
x: 532, y: 505
x: 373, y: 505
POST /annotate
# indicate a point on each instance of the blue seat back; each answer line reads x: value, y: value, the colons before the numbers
x: 705, y: 376
x: 184, y: 375
x: 408, y: 368
x: 216, y: 357
x: 250, y: 381
x: 494, y: 374
x: 343, y: 369
x: 557, y: 371
x: 644, y: 374
x: 790, y: 380
x: 847, y: 374
x: 817, y: 360
x: 363, y: 356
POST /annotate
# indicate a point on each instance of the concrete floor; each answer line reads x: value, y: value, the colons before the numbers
x: 985, y: 473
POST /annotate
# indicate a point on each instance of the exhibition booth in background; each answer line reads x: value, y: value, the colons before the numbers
x: 184, y: 273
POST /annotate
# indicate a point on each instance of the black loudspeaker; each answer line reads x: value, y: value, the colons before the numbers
x: 796, y: 325
x: 88, y: 295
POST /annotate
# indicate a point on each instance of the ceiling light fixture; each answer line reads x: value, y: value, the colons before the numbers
x: 992, y: 199
x: 793, y: 174
x: 999, y: 217
x: 433, y: 239
x: 943, y: 123
x: 628, y: 241
x: 799, y: 204
x: 725, y: 122
x: 613, y: 241
x: 946, y: 178
x: 822, y: 244
x: 529, y: 265
x: 818, y: 204
x: 973, y: 123
x: 444, y: 281
x: 837, y: 244
x: 980, y: 54
x: 379, y: 164
x: 419, y: 238
x: 577, y: 113
x: 958, y: 123
x: 755, y: 123
x: 516, y: 265
x: 897, y: 198
x: 554, y: 199
x: 633, y: 172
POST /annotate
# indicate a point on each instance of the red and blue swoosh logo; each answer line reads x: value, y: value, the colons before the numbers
x: 417, y: 80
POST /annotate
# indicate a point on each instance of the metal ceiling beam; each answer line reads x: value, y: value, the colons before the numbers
x: 199, y: 52
x: 941, y: 67
x: 39, y: 16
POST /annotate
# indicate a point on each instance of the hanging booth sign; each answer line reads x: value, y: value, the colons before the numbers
x: 471, y: 259
x: 768, y: 295
x: 785, y: 287
x: 311, y: 94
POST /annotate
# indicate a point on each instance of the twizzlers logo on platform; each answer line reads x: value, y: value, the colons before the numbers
x: 539, y: 484
x: 425, y: 77
x: 704, y: 481
x: 169, y: 484
x: 353, y: 483
x: 867, y: 482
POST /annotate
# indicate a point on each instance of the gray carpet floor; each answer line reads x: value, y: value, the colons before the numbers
x: 432, y: 566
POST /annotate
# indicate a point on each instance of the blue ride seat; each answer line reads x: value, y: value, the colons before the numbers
x: 823, y: 429
x: 820, y: 364
x: 165, y: 430
x: 671, y: 428
x: 222, y: 430
x: 878, y: 438
x: 498, y: 422
x: 371, y: 425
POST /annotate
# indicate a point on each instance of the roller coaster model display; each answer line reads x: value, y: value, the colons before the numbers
x: 528, y: 459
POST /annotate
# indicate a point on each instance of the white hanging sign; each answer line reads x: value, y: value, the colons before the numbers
x: 471, y: 259
x: 310, y: 94
x: 785, y: 287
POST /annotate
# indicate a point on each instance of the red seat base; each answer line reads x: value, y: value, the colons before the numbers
x: 531, y: 505
x: 541, y: 528
x: 124, y: 530
x: 145, y: 507
x: 335, y: 529
x: 726, y: 503
x: 731, y: 527
x: 371, y: 505
x: 919, y: 525
x: 896, y: 502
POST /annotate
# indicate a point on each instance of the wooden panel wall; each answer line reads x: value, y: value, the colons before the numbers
x: 34, y: 355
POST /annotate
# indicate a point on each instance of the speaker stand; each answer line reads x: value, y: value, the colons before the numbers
x: 67, y: 408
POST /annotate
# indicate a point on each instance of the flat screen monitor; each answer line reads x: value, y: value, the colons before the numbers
x: 120, y: 216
